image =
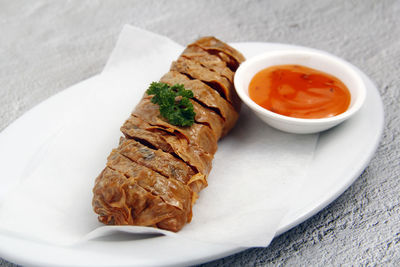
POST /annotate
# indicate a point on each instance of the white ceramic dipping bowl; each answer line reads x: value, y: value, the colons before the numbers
x: 313, y: 59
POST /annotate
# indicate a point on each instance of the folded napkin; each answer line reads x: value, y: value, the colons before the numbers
x: 256, y: 171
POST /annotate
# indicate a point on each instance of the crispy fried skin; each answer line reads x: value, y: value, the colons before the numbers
x: 208, y: 117
x: 155, y: 175
x: 157, y: 160
x: 171, y: 191
x: 192, y: 154
x: 207, y: 96
x: 209, y: 61
x: 123, y: 201
x: 231, y: 56
x: 199, y: 134
x: 212, y: 78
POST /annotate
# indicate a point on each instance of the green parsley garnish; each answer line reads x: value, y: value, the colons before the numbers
x: 174, y: 103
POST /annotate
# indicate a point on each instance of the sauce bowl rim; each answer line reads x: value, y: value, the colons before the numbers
x: 319, y: 55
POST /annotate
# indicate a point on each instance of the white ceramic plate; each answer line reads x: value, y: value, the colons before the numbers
x: 341, y: 155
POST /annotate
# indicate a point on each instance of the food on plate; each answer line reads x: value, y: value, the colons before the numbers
x: 228, y: 54
x: 207, y: 97
x: 299, y: 91
x: 162, y: 162
x: 196, y: 70
x: 173, y: 103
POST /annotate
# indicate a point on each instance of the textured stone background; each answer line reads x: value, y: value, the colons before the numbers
x: 47, y: 46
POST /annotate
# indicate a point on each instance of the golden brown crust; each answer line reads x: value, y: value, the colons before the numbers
x: 207, y: 96
x: 171, y: 191
x: 199, y: 134
x: 156, y: 173
x: 213, y: 79
x: 231, y: 56
x: 209, y: 61
x: 192, y: 154
x: 156, y: 160
x: 123, y: 201
x: 208, y: 117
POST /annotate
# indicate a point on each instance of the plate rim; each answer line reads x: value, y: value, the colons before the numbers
x: 223, y: 250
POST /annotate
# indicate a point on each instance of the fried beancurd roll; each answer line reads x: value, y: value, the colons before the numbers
x: 231, y: 56
x: 193, y: 155
x: 156, y: 173
x: 213, y: 79
x: 199, y: 134
x: 212, y: 62
x: 207, y: 97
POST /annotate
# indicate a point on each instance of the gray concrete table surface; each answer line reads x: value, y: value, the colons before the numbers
x: 47, y: 46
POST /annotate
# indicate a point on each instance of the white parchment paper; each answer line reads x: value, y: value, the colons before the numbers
x: 256, y: 171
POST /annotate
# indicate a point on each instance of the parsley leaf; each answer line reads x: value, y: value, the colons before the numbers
x: 174, y: 103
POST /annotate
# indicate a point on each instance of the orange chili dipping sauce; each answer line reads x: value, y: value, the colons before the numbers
x: 300, y: 92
